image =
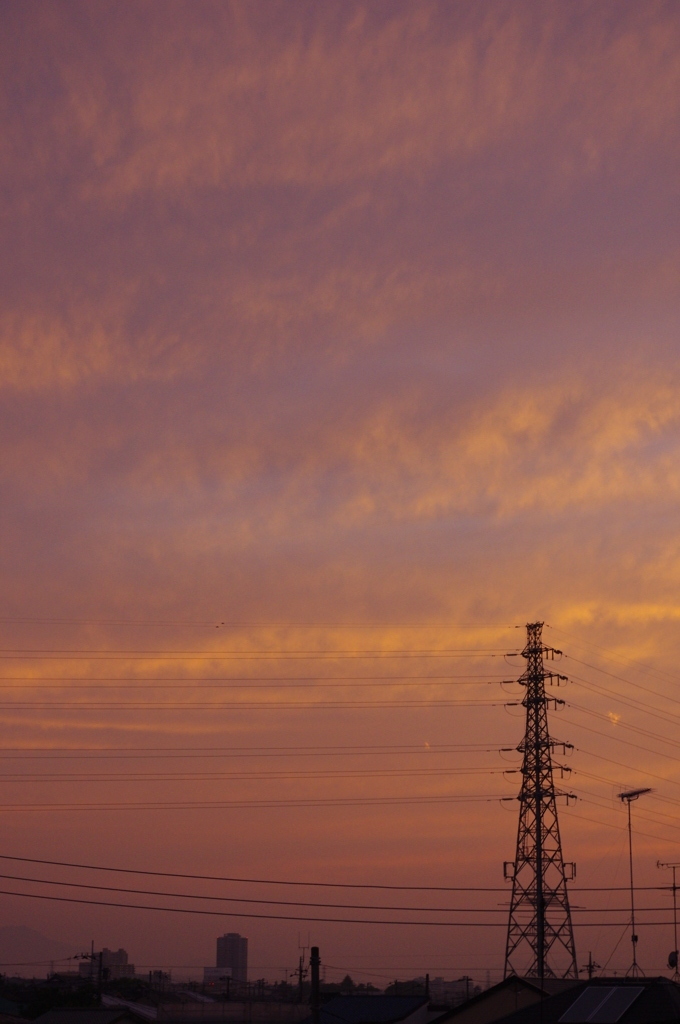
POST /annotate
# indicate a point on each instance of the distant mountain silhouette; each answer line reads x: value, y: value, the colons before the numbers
x: 21, y: 948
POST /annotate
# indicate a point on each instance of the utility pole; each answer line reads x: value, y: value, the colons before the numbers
x: 673, y: 957
x: 540, y: 940
x: 301, y: 975
x: 98, y: 959
x: 634, y: 971
x: 302, y: 970
x: 315, y: 1000
x: 590, y: 967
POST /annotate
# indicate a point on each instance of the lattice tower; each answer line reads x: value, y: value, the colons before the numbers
x: 540, y: 942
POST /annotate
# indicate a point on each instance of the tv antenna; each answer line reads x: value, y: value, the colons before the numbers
x: 634, y: 971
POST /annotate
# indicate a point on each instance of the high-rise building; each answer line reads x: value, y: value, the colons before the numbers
x: 232, y: 952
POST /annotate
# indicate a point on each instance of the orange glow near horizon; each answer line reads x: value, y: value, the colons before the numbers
x: 338, y: 341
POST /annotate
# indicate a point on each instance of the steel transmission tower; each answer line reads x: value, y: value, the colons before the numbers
x: 540, y: 942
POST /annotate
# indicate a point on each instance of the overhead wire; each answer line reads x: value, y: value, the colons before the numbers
x: 245, y: 705
x: 249, y: 900
x: 619, y: 739
x: 630, y: 702
x: 257, y: 623
x: 99, y: 654
x: 629, y: 682
x: 640, y: 814
x: 254, y: 804
x: 613, y: 782
x: 184, y: 753
x: 305, y: 654
x: 621, y: 725
x: 298, y: 903
x: 622, y: 828
x: 389, y: 773
x: 614, y: 654
x: 353, y: 748
x: 290, y: 917
x: 601, y: 778
x: 620, y: 764
x: 241, y: 682
x: 298, y: 883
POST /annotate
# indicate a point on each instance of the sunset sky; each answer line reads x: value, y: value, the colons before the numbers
x: 338, y: 340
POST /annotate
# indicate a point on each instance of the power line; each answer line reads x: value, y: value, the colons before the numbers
x: 589, y: 798
x: 181, y: 757
x: 380, y: 773
x: 622, y: 828
x: 619, y: 657
x: 619, y: 739
x: 246, y: 705
x: 291, y: 882
x: 629, y: 682
x: 620, y: 764
x: 349, y: 748
x: 243, y: 682
x: 351, y: 681
x: 262, y: 967
x: 630, y: 702
x: 255, y: 804
x: 265, y: 656
x: 331, y: 652
x: 655, y: 820
x: 622, y: 725
x: 633, y: 702
x: 258, y: 623
x: 291, y: 917
x: 183, y: 753
x: 614, y: 782
x: 297, y: 903
x: 264, y: 902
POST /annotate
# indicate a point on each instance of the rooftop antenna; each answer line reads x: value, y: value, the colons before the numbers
x: 634, y: 971
x: 673, y: 956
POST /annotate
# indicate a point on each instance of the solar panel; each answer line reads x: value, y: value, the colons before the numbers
x: 601, y: 1004
x: 590, y: 1000
x: 616, y: 1004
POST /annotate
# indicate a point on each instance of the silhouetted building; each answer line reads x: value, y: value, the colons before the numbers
x: 451, y: 993
x: 214, y: 976
x: 114, y: 965
x: 232, y: 952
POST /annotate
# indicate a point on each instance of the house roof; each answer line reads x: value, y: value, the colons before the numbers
x: 86, y: 1015
x: 377, y: 1009
x: 512, y: 983
x: 632, y: 1001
